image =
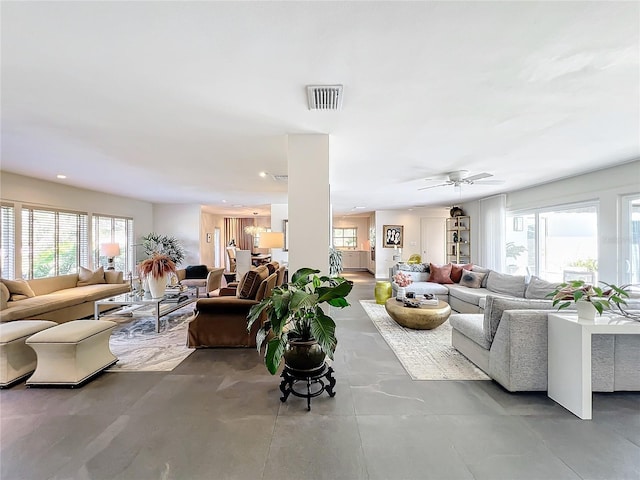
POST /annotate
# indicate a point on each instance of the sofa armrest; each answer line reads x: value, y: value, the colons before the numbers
x: 518, y: 358
x: 214, y: 279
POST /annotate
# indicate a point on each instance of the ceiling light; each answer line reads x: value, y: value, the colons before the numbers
x: 263, y: 174
x: 237, y: 206
x: 359, y: 208
x: 61, y: 177
x: 224, y: 201
x: 324, y: 97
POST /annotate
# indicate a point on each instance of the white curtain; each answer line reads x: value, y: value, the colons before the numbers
x: 491, y: 232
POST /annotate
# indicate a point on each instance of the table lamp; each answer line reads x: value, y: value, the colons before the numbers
x: 110, y: 250
x: 271, y: 240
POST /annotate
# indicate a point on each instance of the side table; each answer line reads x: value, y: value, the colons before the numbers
x: 569, y: 357
x: 313, y: 381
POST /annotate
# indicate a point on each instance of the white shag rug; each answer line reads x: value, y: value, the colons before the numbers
x: 140, y: 349
x: 425, y: 354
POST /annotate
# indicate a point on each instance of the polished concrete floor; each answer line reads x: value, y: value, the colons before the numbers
x: 218, y: 416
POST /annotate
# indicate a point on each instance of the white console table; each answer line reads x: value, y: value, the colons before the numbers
x: 569, y: 357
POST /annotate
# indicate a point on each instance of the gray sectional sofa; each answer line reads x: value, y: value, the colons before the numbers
x: 502, y: 328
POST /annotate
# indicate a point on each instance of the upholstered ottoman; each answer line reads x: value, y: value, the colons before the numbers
x: 17, y: 360
x: 71, y: 353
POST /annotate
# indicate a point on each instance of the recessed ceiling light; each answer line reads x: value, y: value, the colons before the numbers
x: 263, y: 174
x: 224, y: 201
x: 60, y: 176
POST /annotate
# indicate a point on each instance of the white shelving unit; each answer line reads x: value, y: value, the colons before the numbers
x: 458, y: 230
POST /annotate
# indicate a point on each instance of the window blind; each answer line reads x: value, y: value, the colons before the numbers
x: 7, y: 242
x: 109, y: 229
x: 54, y: 242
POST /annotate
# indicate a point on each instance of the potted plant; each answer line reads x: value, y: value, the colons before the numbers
x: 296, y: 327
x: 335, y: 261
x: 156, y: 271
x: 588, y: 298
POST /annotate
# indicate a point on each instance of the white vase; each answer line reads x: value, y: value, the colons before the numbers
x: 157, y: 286
x: 586, y: 310
x: 401, y: 292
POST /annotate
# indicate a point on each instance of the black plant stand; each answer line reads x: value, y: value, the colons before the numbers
x: 315, y: 379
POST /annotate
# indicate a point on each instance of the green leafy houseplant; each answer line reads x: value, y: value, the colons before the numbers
x: 293, y: 313
x: 578, y: 290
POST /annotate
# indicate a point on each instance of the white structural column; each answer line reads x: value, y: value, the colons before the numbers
x: 309, y: 202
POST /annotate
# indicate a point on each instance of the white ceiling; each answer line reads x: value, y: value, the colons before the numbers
x: 186, y: 102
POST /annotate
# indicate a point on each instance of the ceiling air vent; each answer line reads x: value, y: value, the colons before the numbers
x: 324, y: 97
x: 280, y: 178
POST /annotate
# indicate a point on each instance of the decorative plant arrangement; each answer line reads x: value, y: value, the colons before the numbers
x: 335, y: 261
x: 402, y: 279
x: 600, y: 298
x: 156, y: 271
x: 294, y: 315
x: 154, y: 244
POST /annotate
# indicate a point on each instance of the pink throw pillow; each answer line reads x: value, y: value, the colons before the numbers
x: 440, y: 274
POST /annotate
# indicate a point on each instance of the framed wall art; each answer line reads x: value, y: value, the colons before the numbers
x: 392, y: 236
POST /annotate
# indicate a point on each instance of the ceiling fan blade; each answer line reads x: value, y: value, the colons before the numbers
x: 478, y: 176
x: 489, y: 182
x: 434, y: 186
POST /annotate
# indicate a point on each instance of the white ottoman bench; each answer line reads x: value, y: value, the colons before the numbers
x: 17, y: 360
x: 71, y: 353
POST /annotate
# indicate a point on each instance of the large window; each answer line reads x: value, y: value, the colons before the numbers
x: 108, y: 229
x: 7, y: 242
x: 54, y: 242
x: 556, y: 244
x: 630, y: 243
x: 345, y: 237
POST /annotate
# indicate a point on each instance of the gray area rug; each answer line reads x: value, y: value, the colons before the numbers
x: 425, y: 354
x: 140, y: 349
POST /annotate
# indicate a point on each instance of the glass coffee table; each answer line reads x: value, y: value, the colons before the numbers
x: 135, y: 305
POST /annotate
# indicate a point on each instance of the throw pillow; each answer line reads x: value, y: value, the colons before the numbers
x: 456, y: 271
x: 512, y: 285
x: 248, y: 286
x: 196, y: 271
x: 539, y: 288
x: 440, y: 274
x: 4, y: 296
x: 471, y: 279
x: 88, y: 277
x: 19, y: 287
x: 482, y: 270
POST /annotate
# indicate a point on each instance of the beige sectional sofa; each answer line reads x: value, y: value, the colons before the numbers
x: 60, y: 298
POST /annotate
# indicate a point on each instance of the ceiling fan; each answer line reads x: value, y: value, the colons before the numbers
x: 460, y: 177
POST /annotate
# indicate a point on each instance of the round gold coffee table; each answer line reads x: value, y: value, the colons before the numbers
x: 423, y: 318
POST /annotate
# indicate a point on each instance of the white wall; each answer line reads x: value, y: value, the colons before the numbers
x: 182, y: 222
x: 411, y: 222
x: 605, y: 186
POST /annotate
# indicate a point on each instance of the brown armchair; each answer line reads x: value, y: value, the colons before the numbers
x: 222, y: 321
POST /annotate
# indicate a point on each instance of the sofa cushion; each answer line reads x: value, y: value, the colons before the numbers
x: 440, y: 274
x: 471, y: 325
x: 89, y: 277
x: 39, y: 305
x: 4, y: 296
x: 513, y: 285
x: 421, y: 288
x: 472, y: 296
x: 16, y: 297
x: 196, y: 271
x: 248, y: 286
x: 495, y: 306
x: 471, y: 279
x: 414, y: 267
x: 114, y: 276
x: 18, y: 287
x: 486, y: 271
x: 456, y: 270
x: 539, y: 288
x: 417, y: 276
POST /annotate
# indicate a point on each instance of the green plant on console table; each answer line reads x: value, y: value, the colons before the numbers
x: 293, y: 313
x: 578, y: 290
